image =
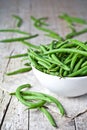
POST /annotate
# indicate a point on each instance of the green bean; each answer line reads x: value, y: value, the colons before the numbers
x: 51, y: 46
x: 61, y: 44
x: 38, y: 57
x: 33, y: 18
x: 66, y: 61
x: 24, y: 58
x: 84, y: 64
x: 79, y: 43
x: 43, y: 49
x: 20, y: 21
x: 72, y: 20
x: 49, y: 116
x: 63, y: 50
x: 44, y: 64
x: 32, y: 93
x: 68, y: 45
x: 40, y: 21
x: 56, y: 58
x: 74, y: 58
x: 52, y: 66
x: 78, y: 65
x: 27, y: 64
x: 55, y: 36
x: 78, y: 72
x: 33, y: 62
x: 14, y: 31
x: 84, y: 72
x: 22, y: 70
x: 52, y: 99
x: 74, y: 34
x: 18, y: 55
x: 71, y: 26
x: 65, y: 67
x: 54, y: 69
x: 65, y: 17
x: 68, y: 58
x: 28, y: 44
x: 51, y: 61
x: 61, y: 72
x: 29, y: 104
x: 35, y: 97
x: 54, y: 73
x: 65, y: 73
x: 19, y: 38
x: 51, y: 33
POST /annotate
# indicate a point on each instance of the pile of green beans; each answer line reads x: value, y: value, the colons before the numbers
x: 38, y: 100
x: 63, y: 59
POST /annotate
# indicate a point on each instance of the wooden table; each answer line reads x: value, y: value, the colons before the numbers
x: 13, y: 115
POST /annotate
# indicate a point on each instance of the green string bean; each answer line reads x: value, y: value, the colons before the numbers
x: 18, y: 39
x: 19, y: 71
x: 19, y: 20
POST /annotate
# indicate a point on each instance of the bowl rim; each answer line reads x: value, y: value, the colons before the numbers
x: 71, y: 78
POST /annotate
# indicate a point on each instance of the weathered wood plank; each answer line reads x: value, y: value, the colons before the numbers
x: 81, y: 122
x: 15, y: 116
x: 4, y: 104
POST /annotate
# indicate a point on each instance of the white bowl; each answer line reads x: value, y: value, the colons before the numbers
x: 66, y: 87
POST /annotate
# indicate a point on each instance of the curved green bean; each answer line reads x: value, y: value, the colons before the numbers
x: 52, y: 99
x: 74, y: 34
x: 38, y: 57
x: 74, y: 58
x: 22, y: 70
x: 18, y: 55
x: 78, y: 65
x: 34, y: 97
x: 79, y: 43
x: 43, y: 48
x: 44, y: 64
x: 78, y: 72
x: 84, y: 64
x: 62, y: 65
x: 71, y: 19
x: 19, y: 20
x: 14, y: 31
x: 29, y: 104
x: 48, y: 115
x: 27, y: 64
x: 30, y: 45
x: 18, y: 39
x: 67, y: 50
